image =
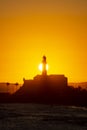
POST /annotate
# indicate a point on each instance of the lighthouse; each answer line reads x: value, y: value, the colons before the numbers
x: 44, y: 63
x: 45, y: 82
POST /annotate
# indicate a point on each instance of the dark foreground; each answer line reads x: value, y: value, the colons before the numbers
x: 42, y: 117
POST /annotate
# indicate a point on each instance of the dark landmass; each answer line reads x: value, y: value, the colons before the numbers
x: 51, y: 89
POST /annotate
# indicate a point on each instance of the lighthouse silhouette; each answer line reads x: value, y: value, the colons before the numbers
x: 44, y: 81
x: 44, y: 62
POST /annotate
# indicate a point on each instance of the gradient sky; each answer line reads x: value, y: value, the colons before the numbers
x: 31, y: 28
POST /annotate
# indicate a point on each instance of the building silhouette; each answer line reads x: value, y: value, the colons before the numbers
x: 59, y: 81
x: 43, y: 88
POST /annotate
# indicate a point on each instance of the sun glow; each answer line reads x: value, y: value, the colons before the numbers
x: 41, y: 67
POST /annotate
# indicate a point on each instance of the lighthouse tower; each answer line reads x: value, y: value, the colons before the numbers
x: 44, y: 70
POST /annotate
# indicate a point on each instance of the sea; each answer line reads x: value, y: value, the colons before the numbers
x: 42, y: 117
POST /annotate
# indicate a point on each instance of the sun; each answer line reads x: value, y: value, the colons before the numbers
x: 41, y: 67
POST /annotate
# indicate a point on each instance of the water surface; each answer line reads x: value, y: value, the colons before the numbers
x: 42, y: 117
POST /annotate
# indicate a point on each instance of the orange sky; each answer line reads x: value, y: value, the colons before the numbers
x: 31, y: 28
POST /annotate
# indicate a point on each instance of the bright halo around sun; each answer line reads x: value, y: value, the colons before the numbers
x: 41, y: 67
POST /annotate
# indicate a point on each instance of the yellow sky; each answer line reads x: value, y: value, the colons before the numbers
x: 31, y: 28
